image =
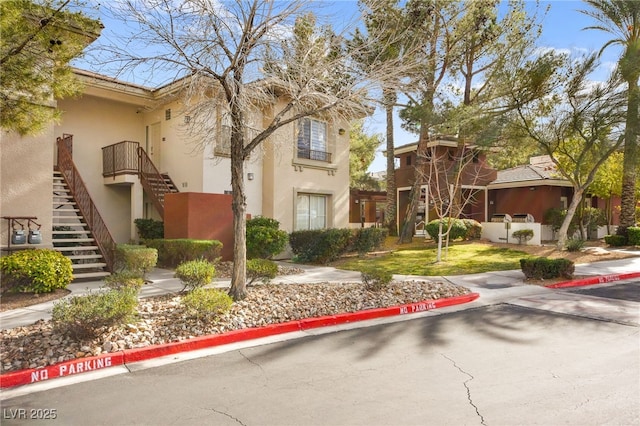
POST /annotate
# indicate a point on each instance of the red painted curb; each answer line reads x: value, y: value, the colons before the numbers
x: 595, y: 280
x: 63, y: 369
x: 82, y: 365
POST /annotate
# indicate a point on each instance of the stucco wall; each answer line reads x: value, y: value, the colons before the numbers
x: 285, y: 176
x: 95, y: 123
x: 26, y: 181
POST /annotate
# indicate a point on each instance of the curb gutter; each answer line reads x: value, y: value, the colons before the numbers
x: 595, y: 280
x: 88, y: 364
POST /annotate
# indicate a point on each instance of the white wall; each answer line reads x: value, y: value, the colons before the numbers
x: 496, y: 232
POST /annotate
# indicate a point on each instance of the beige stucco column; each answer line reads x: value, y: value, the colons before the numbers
x: 137, y: 207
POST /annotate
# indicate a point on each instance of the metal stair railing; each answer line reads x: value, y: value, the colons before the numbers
x: 87, y: 207
x: 152, y: 181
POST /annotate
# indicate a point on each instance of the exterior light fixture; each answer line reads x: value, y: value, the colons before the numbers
x: 250, y: 176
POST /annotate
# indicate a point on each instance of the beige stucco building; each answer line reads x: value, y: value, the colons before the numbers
x: 299, y: 176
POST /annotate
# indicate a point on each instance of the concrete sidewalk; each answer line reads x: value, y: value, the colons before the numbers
x: 493, y: 287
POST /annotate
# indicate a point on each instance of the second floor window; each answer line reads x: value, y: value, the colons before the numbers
x: 312, y: 140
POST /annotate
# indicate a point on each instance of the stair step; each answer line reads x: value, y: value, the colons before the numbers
x: 73, y: 240
x: 64, y: 203
x: 76, y: 248
x: 84, y: 256
x: 89, y: 275
x: 81, y: 232
x: 88, y: 265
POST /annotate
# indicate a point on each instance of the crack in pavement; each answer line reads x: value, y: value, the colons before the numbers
x: 466, y: 387
x: 225, y: 414
x: 251, y: 361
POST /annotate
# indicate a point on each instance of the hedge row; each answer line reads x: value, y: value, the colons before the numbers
x: 542, y: 268
x: 326, y: 245
x: 460, y: 228
x: 172, y: 252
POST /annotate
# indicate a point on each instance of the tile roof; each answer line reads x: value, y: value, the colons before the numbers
x: 529, y: 172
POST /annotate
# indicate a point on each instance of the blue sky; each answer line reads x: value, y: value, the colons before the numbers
x: 562, y: 29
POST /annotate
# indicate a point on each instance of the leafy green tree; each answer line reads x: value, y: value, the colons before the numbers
x: 621, y: 19
x: 38, y: 39
x: 608, y: 183
x: 361, y: 154
x: 383, y: 22
x: 577, y: 128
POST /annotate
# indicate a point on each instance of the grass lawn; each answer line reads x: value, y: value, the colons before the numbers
x: 463, y: 258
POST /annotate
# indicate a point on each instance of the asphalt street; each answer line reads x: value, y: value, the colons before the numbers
x: 496, y: 364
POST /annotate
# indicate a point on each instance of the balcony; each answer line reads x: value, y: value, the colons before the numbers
x: 120, y: 159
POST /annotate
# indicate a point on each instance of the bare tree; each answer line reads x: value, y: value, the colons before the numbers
x: 453, y: 181
x: 242, y: 56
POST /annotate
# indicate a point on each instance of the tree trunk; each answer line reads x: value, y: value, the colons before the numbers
x: 630, y: 162
x: 571, y: 211
x: 238, y: 289
x: 391, y: 202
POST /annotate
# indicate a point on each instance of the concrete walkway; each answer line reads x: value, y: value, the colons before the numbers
x: 493, y: 287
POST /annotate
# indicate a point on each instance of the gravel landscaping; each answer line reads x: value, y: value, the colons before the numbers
x: 163, y: 319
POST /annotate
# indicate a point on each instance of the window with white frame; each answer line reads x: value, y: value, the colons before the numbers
x: 311, y: 211
x: 312, y: 140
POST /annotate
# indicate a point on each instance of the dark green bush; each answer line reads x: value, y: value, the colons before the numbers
x: 458, y: 228
x: 320, y: 246
x: 633, y: 233
x: 124, y: 279
x: 615, y: 240
x: 543, y: 268
x: 376, y: 279
x: 264, y: 238
x: 149, y: 229
x: 522, y: 235
x: 368, y: 239
x: 36, y: 271
x: 261, y: 269
x: 137, y: 260
x: 195, y: 273
x: 205, y: 302
x: 172, y: 252
x: 85, y: 317
x: 574, y: 244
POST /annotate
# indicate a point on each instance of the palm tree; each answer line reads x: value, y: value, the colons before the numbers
x: 621, y: 19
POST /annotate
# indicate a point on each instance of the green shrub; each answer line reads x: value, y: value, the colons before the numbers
x: 368, y: 239
x: 615, y: 240
x: 545, y: 268
x: 574, y: 244
x: 458, y: 228
x: 36, y: 271
x: 204, y: 302
x: 261, y: 269
x: 124, y: 279
x: 138, y: 260
x: 195, y: 273
x: 173, y: 252
x: 85, y: 317
x: 633, y: 234
x: 149, y: 229
x: 522, y: 235
x: 474, y: 229
x: 264, y: 238
x: 320, y: 246
x: 376, y: 279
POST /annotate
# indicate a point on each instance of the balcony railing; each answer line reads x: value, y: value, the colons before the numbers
x: 311, y: 154
x: 120, y: 158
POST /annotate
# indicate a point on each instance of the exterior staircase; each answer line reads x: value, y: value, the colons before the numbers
x: 71, y: 235
x: 155, y: 184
